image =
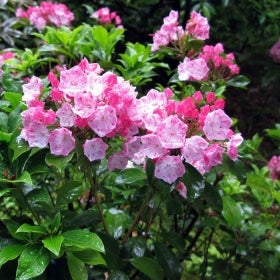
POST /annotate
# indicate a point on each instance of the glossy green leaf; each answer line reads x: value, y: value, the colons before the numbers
x: 10, y: 252
x: 32, y: 262
x: 118, y: 275
x: 76, y: 267
x: 13, y: 97
x: 261, y: 188
x: 194, y: 182
x: 148, y: 266
x: 58, y: 162
x: 13, y: 119
x: 239, y: 81
x: 40, y: 200
x: 12, y: 227
x: 81, y: 239
x: 31, y: 228
x: 24, y: 178
x: 53, y: 244
x: 117, y: 221
x: 70, y: 192
x: 232, y: 211
x: 168, y: 261
x: 212, y: 197
x: 130, y: 176
x: 90, y: 257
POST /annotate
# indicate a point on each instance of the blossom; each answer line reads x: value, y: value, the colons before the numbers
x: 151, y: 146
x: 117, y: 161
x: 105, y: 16
x: 274, y: 167
x: 172, y: 132
x: 275, y: 52
x: 195, y: 69
x: 36, y: 135
x: 221, y: 65
x: 61, y: 141
x: 66, y: 115
x: 32, y: 90
x: 217, y: 125
x: 193, y: 149
x: 169, y: 168
x: 47, y: 14
x: 234, y: 141
x: 197, y: 26
x: 103, y: 120
x: 95, y: 149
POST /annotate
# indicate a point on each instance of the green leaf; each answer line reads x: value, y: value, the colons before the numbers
x: 117, y: 221
x: 118, y: 275
x: 70, y: 192
x: 13, y: 98
x: 31, y: 228
x: 40, y: 200
x: 24, y: 178
x: 261, y: 188
x: 76, y: 267
x: 130, y: 176
x: 13, y: 119
x: 239, y: 81
x: 32, y: 262
x: 90, y: 257
x: 232, y: 211
x: 148, y: 266
x: 10, y: 252
x: 58, y: 162
x: 168, y: 261
x: 53, y: 244
x: 212, y: 197
x: 12, y: 227
x: 194, y: 182
x: 81, y: 239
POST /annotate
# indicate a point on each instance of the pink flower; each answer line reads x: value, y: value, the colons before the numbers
x: 32, y: 90
x: 169, y: 168
x: 234, y: 141
x: 132, y: 146
x: 47, y: 14
x: 172, y: 132
x: 217, y: 125
x: 274, y: 167
x: 193, y: 149
x: 103, y: 120
x: 61, y: 141
x: 117, y: 161
x: 198, y: 26
x: 72, y: 81
x: 105, y: 16
x: 195, y: 69
x: 66, y: 115
x: 213, y: 156
x: 95, y: 149
x: 275, y: 52
x: 151, y: 146
x: 36, y: 135
x: 182, y: 189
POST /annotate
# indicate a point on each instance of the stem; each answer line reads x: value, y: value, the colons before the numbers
x: 94, y: 192
x: 137, y: 218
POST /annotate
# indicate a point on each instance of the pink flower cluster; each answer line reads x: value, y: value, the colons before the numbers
x: 197, y: 27
x: 97, y: 107
x: 47, y: 14
x: 221, y: 65
x: 275, y: 52
x: 274, y: 167
x: 105, y: 16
